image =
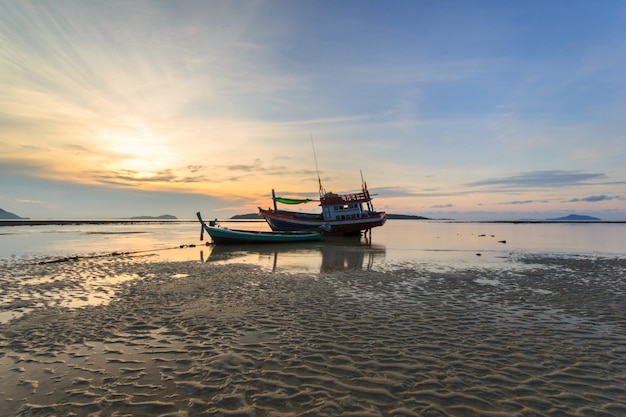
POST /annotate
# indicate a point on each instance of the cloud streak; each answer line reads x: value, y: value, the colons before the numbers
x: 541, y: 179
x: 516, y: 203
x: 596, y: 198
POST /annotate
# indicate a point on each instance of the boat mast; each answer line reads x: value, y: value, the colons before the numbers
x: 274, y: 200
x: 319, y: 181
x: 366, y: 192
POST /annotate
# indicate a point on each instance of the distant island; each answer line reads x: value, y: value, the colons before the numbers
x: 6, y: 215
x: 249, y: 216
x: 162, y: 217
x: 406, y: 217
x: 575, y: 218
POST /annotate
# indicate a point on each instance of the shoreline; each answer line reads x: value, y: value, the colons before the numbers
x: 29, y: 222
x: 124, y: 334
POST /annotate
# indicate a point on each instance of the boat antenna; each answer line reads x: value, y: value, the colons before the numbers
x: 319, y: 181
x: 366, y: 192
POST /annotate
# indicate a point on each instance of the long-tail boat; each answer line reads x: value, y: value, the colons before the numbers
x: 223, y: 235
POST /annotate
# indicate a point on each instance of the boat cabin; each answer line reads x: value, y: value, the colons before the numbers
x: 345, y: 206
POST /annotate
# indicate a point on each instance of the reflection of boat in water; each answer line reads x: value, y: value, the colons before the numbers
x: 337, y: 257
x: 332, y: 255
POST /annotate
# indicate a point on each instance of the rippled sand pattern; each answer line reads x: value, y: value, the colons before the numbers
x: 200, y: 340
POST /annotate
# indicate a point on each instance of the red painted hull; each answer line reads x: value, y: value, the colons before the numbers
x: 283, y: 220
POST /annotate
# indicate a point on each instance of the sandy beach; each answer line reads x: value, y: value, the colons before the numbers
x: 121, y: 336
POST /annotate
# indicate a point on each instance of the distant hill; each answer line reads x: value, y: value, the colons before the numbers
x: 162, y: 217
x: 575, y: 218
x: 5, y: 215
x: 248, y: 216
x: 405, y: 217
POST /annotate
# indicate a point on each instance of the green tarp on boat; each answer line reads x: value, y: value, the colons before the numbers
x: 292, y: 200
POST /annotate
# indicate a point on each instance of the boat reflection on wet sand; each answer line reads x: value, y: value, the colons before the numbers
x: 337, y: 254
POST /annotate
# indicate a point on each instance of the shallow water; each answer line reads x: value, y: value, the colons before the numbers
x: 437, y: 247
x: 399, y: 242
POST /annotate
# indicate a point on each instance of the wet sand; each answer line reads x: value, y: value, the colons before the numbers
x: 129, y: 336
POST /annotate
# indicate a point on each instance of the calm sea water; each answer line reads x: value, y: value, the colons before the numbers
x: 398, y: 244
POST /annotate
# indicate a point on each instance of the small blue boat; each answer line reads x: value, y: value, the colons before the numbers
x: 223, y: 235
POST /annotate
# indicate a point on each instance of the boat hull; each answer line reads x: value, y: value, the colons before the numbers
x: 283, y: 220
x: 220, y: 235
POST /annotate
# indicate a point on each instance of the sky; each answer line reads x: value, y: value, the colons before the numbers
x: 481, y: 110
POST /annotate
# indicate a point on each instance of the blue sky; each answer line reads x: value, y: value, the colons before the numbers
x: 469, y: 110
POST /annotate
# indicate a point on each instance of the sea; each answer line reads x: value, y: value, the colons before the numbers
x: 436, y: 245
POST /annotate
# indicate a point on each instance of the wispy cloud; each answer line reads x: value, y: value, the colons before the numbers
x: 543, y: 179
x: 392, y: 192
x: 132, y: 177
x: 255, y: 166
x: 595, y: 198
x: 195, y: 168
x: 523, y: 202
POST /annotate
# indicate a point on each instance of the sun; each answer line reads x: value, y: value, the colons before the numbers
x: 137, y: 155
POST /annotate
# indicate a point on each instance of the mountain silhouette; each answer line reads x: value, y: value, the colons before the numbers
x: 5, y: 215
x: 576, y: 217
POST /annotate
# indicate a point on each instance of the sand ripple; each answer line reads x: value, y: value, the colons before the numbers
x: 192, y: 339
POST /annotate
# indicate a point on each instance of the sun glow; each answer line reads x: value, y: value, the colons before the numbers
x: 138, y: 154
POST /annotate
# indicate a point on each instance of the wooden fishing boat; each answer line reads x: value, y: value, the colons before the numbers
x: 342, y: 214
x: 223, y: 235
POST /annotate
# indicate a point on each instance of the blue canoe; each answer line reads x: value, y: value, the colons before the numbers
x: 223, y: 235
